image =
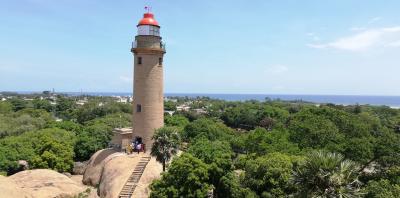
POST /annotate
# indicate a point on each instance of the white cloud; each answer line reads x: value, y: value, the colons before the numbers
x: 375, y: 19
x: 395, y: 44
x: 358, y: 28
x: 317, y: 46
x: 126, y: 79
x: 310, y: 34
x: 313, y: 36
x: 364, y: 40
x: 277, y: 69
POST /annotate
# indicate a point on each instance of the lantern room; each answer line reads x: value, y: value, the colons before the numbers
x: 148, y: 26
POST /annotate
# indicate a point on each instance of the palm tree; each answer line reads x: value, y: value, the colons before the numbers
x: 166, y: 144
x: 327, y: 175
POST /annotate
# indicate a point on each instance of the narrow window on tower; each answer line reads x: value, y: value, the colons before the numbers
x: 138, y: 108
x: 139, y: 60
x: 160, y: 61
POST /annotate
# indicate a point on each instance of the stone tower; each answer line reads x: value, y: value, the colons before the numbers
x: 148, y: 96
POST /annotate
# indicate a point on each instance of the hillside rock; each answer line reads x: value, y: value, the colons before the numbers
x: 95, y: 166
x: 40, y: 183
x: 79, y: 168
x: 9, y: 188
x: 153, y: 171
x: 109, y: 170
x: 115, y: 173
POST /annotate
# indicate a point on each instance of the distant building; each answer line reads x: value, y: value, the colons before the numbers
x: 122, y: 137
x: 169, y: 112
x: 183, y: 107
x: 81, y: 102
x: 200, y: 111
x: 122, y: 99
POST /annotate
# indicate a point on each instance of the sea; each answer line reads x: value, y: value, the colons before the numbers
x: 391, y: 101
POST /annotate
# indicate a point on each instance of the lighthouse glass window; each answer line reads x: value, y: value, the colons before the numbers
x: 149, y: 30
x: 155, y: 31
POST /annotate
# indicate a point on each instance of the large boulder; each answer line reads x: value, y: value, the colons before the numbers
x: 109, y: 170
x: 117, y: 171
x: 153, y: 171
x: 8, y: 188
x: 95, y: 166
x: 79, y: 168
x: 45, y: 183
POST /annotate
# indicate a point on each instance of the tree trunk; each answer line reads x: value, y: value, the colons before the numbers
x: 163, y: 166
x: 367, y: 164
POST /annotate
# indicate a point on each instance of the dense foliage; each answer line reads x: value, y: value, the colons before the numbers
x: 280, y: 149
x: 32, y: 130
x: 230, y: 149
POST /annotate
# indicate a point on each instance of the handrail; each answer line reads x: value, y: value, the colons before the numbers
x: 162, y: 45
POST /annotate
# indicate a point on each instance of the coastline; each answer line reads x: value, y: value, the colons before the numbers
x: 390, y: 101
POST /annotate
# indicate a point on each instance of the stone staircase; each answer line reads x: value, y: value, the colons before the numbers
x: 133, y: 180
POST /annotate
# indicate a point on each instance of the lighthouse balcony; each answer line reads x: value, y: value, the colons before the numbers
x: 143, y: 44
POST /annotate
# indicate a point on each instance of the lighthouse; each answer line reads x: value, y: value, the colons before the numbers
x: 148, y: 96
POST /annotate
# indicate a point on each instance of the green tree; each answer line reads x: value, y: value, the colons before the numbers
x: 382, y: 189
x: 18, y: 103
x: 178, y: 121
x: 170, y: 106
x: 96, y: 109
x: 42, y: 104
x: 23, y: 121
x: 12, y: 149
x: 68, y: 126
x: 310, y: 130
x: 269, y: 176
x: 53, y: 148
x: 360, y: 149
x: 47, y: 148
x: 327, y: 175
x: 217, y: 155
x: 387, y: 150
x: 64, y: 107
x: 115, y: 120
x: 93, y: 138
x: 186, y: 177
x: 208, y: 128
x: 260, y: 141
x: 229, y: 187
x: 166, y: 144
x: 5, y: 107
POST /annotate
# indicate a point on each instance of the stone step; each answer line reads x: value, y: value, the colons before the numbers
x: 130, y: 185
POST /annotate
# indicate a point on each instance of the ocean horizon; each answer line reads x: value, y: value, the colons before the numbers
x: 392, y: 101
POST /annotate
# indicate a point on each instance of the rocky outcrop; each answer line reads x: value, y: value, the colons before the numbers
x: 79, y: 168
x: 109, y: 171
x: 153, y: 171
x: 9, y: 188
x: 40, y: 183
x: 95, y: 166
x: 116, y: 172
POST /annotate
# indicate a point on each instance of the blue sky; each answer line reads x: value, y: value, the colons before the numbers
x: 349, y: 47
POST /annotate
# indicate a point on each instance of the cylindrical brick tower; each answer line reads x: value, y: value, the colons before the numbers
x: 148, y: 95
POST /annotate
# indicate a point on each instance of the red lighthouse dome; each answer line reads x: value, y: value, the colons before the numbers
x: 148, y: 19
